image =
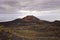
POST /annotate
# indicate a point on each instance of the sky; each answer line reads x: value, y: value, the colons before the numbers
x: 43, y: 9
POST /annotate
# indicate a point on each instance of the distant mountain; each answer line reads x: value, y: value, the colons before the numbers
x: 28, y: 20
x: 25, y: 20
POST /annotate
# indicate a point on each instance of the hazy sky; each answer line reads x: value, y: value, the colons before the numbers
x: 43, y: 9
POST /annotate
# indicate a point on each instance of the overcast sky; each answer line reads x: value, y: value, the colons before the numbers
x: 43, y: 9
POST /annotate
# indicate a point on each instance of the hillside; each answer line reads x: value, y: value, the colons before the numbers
x: 29, y: 28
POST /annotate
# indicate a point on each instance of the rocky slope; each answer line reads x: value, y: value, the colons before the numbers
x: 30, y: 28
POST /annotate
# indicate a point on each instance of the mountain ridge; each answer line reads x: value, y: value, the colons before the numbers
x: 28, y: 19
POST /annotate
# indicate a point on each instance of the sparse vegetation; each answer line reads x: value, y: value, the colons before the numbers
x: 29, y: 31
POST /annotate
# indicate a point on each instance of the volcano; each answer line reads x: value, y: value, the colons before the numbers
x: 30, y: 19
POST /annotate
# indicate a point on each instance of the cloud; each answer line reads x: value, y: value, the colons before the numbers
x: 43, y: 15
x: 46, y: 9
x: 41, y: 5
x: 8, y: 17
